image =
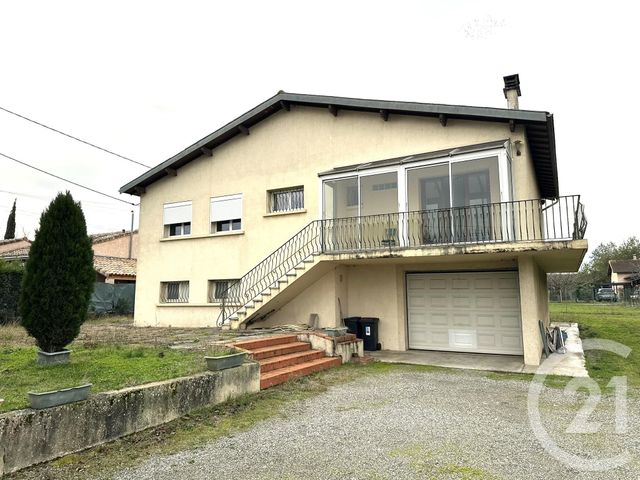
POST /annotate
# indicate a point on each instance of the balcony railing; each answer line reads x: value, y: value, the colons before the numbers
x: 520, y: 221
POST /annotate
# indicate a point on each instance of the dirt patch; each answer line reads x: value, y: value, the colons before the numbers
x: 121, y: 331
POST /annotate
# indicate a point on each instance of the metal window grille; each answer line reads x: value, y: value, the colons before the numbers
x: 174, y: 292
x: 287, y: 200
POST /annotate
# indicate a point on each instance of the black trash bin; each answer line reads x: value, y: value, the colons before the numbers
x: 353, y: 326
x: 369, y: 328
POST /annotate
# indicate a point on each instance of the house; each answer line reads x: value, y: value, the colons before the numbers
x: 14, y: 244
x: 440, y: 220
x: 111, y: 252
x: 624, y: 275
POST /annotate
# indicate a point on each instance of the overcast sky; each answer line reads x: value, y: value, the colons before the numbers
x: 147, y: 79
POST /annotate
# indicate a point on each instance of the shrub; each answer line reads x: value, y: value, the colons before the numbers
x: 59, y: 276
x: 10, y: 281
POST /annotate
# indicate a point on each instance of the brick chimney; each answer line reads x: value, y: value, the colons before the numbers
x: 512, y: 91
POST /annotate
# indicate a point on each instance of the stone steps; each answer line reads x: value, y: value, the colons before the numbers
x: 281, y: 375
x: 283, y: 357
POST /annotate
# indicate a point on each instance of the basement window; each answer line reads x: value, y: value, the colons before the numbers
x: 218, y: 289
x: 174, y: 292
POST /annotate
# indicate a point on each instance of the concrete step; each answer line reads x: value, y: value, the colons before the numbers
x: 275, y: 363
x: 256, y: 343
x: 281, y: 375
x: 281, y: 349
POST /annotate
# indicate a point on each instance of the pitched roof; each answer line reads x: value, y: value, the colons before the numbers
x: 108, y: 266
x: 105, y: 237
x: 14, y: 240
x: 538, y: 125
x: 15, y: 254
x: 624, y: 266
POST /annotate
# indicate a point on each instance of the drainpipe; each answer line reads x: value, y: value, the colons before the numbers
x: 131, y: 236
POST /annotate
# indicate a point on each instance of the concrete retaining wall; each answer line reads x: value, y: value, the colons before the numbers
x: 31, y: 436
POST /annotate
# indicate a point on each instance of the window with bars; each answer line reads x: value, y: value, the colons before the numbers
x: 174, y: 292
x: 286, y: 199
x: 218, y: 289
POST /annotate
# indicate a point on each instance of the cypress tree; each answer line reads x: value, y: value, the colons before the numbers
x: 10, y: 231
x: 59, y: 276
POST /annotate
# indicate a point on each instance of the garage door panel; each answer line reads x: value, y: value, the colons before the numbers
x: 486, y: 340
x: 460, y: 284
x: 486, y: 320
x: 469, y: 312
x: 438, y: 284
x: 463, y: 320
x: 438, y: 319
x: 484, y: 302
x: 439, y: 301
x: 510, y: 321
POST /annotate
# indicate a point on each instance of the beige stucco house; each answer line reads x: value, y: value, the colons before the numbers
x: 624, y: 275
x: 440, y: 220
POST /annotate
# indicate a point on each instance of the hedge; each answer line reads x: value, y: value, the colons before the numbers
x: 10, y: 283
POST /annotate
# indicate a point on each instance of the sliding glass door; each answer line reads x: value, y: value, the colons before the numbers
x: 429, y: 201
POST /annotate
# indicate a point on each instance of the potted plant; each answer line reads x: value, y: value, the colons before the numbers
x: 40, y: 400
x: 223, y: 357
x: 58, y: 280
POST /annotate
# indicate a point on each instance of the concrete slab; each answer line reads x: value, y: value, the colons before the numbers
x: 470, y: 361
x: 569, y: 364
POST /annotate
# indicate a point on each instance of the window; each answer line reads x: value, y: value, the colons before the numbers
x: 286, y: 199
x: 177, y: 219
x: 174, y: 292
x: 218, y: 289
x: 226, y: 213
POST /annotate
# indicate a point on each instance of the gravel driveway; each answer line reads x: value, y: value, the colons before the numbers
x: 410, y: 424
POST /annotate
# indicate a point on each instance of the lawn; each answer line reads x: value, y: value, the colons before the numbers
x: 107, y: 367
x: 606, y: 321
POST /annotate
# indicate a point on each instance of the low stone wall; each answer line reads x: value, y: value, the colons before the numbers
x: 346, y: 346
x: 31, y: 436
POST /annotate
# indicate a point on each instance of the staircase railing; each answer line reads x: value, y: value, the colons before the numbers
x: 523, y: 220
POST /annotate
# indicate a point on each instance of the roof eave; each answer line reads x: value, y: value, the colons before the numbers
x: 278, y: 101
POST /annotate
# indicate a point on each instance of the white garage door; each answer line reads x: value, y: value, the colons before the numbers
x: 465, y: 312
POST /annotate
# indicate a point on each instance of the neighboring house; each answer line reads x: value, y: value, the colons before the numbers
x: 14, y: 244
x: 624, y: 275
x: 120, y: 244
x: 114, y: 269
x: 440, y: 220
x: 110, y: 256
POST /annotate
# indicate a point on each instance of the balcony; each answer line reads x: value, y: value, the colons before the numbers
x: 562, y: 219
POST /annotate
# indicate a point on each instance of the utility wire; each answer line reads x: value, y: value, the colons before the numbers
x: 74, y: 138
x: 65, y: 180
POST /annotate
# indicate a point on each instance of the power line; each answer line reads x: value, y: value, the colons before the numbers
x: 65, y: 180
x: 74, y: 138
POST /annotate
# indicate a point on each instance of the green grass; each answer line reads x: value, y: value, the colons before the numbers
x: 106, y: 367
x: 611, y: 322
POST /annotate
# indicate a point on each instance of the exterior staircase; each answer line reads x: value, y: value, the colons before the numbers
x: 283, y: 357
x: 263, y: 302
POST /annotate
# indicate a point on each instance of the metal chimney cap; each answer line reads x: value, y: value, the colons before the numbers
x: 511, y: 82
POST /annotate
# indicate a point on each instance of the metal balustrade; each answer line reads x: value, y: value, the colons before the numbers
x: 561, y: 219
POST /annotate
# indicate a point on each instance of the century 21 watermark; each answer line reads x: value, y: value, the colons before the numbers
x: 581, y: 423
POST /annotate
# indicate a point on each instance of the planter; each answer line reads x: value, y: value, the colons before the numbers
x: 59, y: 397
x: 335, y: 331
x: 226, y: 361
x: 55, y: 358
